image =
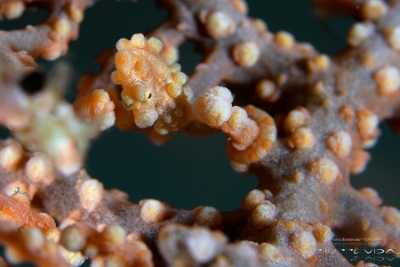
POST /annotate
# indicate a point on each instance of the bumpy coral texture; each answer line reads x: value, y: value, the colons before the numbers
x: 303, y: 132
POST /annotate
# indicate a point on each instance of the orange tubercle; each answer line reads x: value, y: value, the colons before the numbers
x: 263, y: 142
x: 97, y: 106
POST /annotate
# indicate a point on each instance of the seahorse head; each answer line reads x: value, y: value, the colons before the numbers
x: 150, y: 86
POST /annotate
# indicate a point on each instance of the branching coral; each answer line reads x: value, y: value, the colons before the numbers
x: 301, y: 122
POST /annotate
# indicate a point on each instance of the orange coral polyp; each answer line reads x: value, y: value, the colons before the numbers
x: 264, y: 141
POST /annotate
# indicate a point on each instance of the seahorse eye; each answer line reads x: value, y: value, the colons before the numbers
x: 143, y: 93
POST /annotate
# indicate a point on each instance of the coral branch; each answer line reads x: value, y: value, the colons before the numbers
x: 300, y: 121
x: 48, y: 39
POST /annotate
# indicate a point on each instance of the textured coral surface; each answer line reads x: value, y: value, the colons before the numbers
x: 299, y: 120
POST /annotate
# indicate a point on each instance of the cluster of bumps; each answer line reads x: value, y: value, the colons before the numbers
x: 303, y: 130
